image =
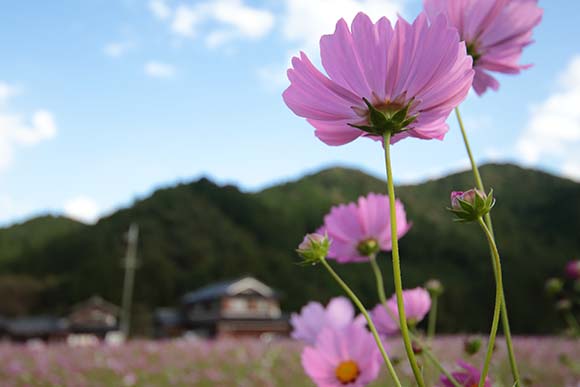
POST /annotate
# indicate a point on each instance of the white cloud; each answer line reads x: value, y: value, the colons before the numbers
x: 553, y: 130
x: 160, y: 9
x: 7, y: 91
x: 159, y: 70
x: 16, y: 130
x: 305, y: 21
x: 219, y: 21
x: 117, y: 49
x: 82, y: 208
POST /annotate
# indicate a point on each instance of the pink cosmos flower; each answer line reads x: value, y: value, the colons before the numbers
x: 314, y: 317
x: 360, y: 229
x: 412, y: 74
x: 573, y: 270
x: 468, y: 377
x: 417, y: 304
x: 495, y: 31
x: 347, y: 357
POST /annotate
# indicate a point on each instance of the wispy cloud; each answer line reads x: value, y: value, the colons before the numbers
x: 553, y: 130
x: 304, y: 21
x: 217, y: 21
x: 157, y: 69
x: 117, y: 49
x: 160, y: 9
x: 17, y: 130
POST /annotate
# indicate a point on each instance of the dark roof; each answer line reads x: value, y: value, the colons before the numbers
x: 96, y: 302
x: 220, y: 289
x: 38, y: 325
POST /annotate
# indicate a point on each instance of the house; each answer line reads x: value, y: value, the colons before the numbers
x: 94, y: 316
x: 242, y: 307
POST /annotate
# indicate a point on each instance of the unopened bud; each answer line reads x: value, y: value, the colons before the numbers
x: 554, y: 286
x: 313, y: 248
x: 564, y: 305
x: 471, y: 205
x: 434, y: 287
x: 472, y: 345
x: 573, y: 270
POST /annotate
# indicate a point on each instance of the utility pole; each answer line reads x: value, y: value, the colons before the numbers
x: 130, y: 265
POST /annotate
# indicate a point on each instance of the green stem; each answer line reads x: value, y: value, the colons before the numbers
x: 497, y: 309
x: 397, y: 266
x: 379, y: 279
x: 504, y: 313
x: 370, y: 323
x: 432, y: 319
x: 572, y: 323
x: 383, y: 299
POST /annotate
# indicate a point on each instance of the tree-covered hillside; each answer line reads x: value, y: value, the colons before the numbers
x: 197, y: 233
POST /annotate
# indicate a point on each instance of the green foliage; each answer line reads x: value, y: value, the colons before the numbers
x: 197, y: 233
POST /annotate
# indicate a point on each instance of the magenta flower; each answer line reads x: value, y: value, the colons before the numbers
x: 468, y: 377
x: 412, y: 76
x: 357, y: 230
x: 573, y: 270
x: 313, y: 317
x: 347, y: 357
x: 417, y: 304
x: 495, y: 31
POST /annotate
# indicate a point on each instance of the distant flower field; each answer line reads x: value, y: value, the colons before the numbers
x: 251, y: 363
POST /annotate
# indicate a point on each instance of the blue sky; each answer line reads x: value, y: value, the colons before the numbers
x: 101, y: 101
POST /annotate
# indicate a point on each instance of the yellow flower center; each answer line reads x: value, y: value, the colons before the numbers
x: 347, y: 372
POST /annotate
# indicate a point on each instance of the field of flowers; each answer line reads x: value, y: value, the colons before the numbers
x: 543, y: 362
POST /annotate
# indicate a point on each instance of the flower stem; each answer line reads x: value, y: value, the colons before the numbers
x: 504, y: 313
x: 366, y: 315
x: 397, y: 266
x: 572, y: 323
x: 383, y: 299
x: 432, y: 318
x: 379, y: 279
x: 498, y: 299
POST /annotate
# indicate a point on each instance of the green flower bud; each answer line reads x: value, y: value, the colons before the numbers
x: 313, y: 248
x: 471, y: 205
x: 434, y: 287
x: 554, y: 286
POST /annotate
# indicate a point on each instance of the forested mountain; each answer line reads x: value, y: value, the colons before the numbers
x: 196, y: 233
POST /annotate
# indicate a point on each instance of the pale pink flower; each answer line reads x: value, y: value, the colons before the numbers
x: 338, y: 314
x: 417, y: 304
x: 495, y: 31
x: 358, y: 229
x: 420, y: 66
x: 347, y: 357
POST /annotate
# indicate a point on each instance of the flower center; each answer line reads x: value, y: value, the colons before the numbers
x: 368, y: 247
x: 472, y: 51
x: 347, y: 372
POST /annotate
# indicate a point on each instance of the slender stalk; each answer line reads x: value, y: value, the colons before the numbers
x: 379, y: 279
x: 397, y: 266
x: 572, y: 323
x: 370, y: 323
x: 497, y: 308
x: 488, y: 222
x: 432, y: 319
x: 383, y: 299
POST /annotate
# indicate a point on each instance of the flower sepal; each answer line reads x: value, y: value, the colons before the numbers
x: 313, y: 249
x: 471, y: 205
x: 391, y: 119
